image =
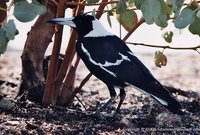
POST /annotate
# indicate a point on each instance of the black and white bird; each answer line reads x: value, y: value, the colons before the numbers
x: 110, y: 60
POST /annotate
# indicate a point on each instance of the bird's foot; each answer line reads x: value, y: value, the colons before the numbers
x: 116, y: 115
x: 100, y: 116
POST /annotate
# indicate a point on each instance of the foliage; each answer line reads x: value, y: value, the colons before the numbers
x: 159, y: 12
x: 23, y: 11
x: 126, y: 11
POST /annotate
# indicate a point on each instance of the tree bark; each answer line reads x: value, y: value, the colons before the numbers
x: 38, y: 39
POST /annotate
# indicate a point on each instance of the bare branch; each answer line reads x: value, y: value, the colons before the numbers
x: 195, y: 48
x: 133, y: 29
x: 89, y: 4
x: 9, y: 7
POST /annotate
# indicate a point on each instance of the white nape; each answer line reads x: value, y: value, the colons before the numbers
x: 98, y: 30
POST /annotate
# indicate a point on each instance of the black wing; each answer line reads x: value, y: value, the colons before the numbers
x: 111, y: 58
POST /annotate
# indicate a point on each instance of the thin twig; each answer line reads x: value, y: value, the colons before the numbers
x: 84, y: 81
x: 75, y: 96
x: 54, y: 2
x: 111, y: 10
x: 195, y: 48
x: 27, y: 90
x: 133, y: 29
x: 3, y: 9
x: 101, y: 9
x: 9, y: 7
x: 89, y: 4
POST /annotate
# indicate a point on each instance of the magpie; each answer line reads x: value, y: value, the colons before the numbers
x: 109, y: 59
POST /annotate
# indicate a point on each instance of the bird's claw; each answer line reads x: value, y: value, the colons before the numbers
x: 100, y: 116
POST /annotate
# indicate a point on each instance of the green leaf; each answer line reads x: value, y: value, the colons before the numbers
x: 121, y: 6
x: 168, y: 36
x: 194, y: 28
x: 128, y: 19
x: 26, y: 12
x: 92, y: 1
x: 151, y: 10
x: 138, y: 3
x: 3, y: 41
x: 185, y: 18
x: 165, y: 8
x: 176, y: 5
x: 10, y: 30
x: 161, y: 21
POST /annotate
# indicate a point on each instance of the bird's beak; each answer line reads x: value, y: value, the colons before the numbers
x: 63, y: 21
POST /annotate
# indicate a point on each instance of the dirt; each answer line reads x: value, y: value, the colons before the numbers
x: 140, y: 114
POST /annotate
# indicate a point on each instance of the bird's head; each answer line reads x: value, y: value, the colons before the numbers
x: 81, y: 23
x: 84, y: 24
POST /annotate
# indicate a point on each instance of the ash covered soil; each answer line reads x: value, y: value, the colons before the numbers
x: 140, y: 114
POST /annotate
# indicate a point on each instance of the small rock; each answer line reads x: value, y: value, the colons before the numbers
x: 168, y: 120
x: 24, y: 132
x: 97, y: 126
x: 13, y: 123
x: 124, y: 122
x: 5, y: 104
x: 31, y: 126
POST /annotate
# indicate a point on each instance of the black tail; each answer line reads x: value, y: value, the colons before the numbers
x: 163, y: 96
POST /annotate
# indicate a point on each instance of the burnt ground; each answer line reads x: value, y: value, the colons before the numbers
x: 140, y: 114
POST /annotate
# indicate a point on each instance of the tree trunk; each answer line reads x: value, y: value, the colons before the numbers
x: 32, y: 76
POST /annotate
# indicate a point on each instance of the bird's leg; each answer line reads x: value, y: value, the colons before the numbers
x: 122, y: 96
x: 109, y: 102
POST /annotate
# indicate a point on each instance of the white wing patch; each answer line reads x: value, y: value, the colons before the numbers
x: 118, y: 62
x: 106, y: 64
x: 131, y: 53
